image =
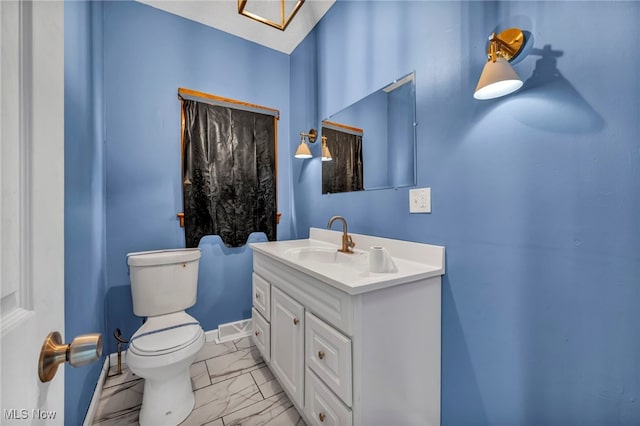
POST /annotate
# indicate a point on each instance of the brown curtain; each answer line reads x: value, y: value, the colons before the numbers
x: 229, y: 182
x: 344, y: 172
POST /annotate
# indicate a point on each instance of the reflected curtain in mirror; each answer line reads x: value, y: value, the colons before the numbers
x: 229, y: 173
x: 344, y: 173
x: 387, y: 115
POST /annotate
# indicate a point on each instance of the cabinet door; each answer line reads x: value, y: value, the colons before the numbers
x: 287, y: 344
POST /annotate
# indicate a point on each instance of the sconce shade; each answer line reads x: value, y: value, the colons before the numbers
x: 303, y: 151
x: 326, y: 154
x: 497, y: 79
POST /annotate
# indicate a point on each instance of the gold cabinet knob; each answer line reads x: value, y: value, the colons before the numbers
x: 296, y: 321
x: 321, y: 417
x: 257, y: 333
x: 257, y: 295
x: 321, y: 355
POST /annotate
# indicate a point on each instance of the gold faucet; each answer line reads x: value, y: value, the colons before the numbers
x: 347, y: 242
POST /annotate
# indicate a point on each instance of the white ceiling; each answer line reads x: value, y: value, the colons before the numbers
x: 223, y: 15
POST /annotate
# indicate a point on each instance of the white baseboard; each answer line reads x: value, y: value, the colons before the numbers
x: 97, y: 392
x: 211, y: 335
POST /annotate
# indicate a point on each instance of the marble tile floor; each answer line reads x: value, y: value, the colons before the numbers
x: 232, y: 385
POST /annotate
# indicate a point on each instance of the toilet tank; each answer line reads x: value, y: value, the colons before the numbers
x: 163, y: 281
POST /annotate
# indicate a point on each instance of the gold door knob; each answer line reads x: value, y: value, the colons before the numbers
x: 296, y: 321
x: 321, y: 417
x: 83, y: 350
x: 321, y: 355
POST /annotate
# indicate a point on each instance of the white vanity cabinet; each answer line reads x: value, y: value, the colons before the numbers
x: 351, y: 347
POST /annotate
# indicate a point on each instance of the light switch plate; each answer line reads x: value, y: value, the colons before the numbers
x: 420, y: 200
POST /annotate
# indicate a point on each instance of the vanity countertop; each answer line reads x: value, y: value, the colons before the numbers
x: 414, y: 261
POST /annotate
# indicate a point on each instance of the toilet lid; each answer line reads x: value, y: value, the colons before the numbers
x: 166, y: 333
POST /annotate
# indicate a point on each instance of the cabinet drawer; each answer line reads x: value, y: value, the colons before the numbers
x: 261, y: 334
x: 262, y: 296
x: 328, y: 354
x: 322, y: 407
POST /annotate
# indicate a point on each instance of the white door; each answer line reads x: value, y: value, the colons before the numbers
x: 31, y: 206
x: 287, y: 344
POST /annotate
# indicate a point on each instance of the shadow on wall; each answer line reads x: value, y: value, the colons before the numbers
x: 459, y: 383
x: 548, y: 101
x: 552, y: 103
x: 224, y: 281
x: 119, y: 311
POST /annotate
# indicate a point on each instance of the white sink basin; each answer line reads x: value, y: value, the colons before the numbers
x: 318, y: 257
x: 322, y: 255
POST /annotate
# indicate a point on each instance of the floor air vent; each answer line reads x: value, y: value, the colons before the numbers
x: 234, y: 330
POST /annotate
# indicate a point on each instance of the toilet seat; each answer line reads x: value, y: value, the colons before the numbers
x: 165, y: 334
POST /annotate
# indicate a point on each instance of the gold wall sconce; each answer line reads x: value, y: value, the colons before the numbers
x: 498, y: 77
x: 303, y: 150
x: 261, y: 9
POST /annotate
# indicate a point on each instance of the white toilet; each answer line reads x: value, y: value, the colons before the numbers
x: 163, y: 284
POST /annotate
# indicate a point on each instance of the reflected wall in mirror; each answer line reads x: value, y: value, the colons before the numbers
x: 373, y: 142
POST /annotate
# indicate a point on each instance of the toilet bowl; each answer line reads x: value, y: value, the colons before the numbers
x: 161, y: 352
x: 163, y: 284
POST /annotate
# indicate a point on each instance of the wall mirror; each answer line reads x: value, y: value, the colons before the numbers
x: 372, y: 143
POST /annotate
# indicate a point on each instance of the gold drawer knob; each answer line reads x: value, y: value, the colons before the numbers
x: 296, y: 321
x: 321, y: 417
x: 257, y: 333
x: 321, y: 355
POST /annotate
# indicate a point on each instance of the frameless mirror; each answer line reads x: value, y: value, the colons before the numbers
x: 371, y: 144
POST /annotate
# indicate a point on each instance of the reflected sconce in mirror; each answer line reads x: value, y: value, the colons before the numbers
x: 498, y: 77
x: 326, y: 154
x: 303, y: 150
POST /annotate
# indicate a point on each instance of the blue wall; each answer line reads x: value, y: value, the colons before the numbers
x: 536, y: 196
x: 84, y: 195
x: 224, y: 281
x: 149, y: 54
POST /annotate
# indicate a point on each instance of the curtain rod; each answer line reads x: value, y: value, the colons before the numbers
x: 343, y: 128
x: 227, y: 102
